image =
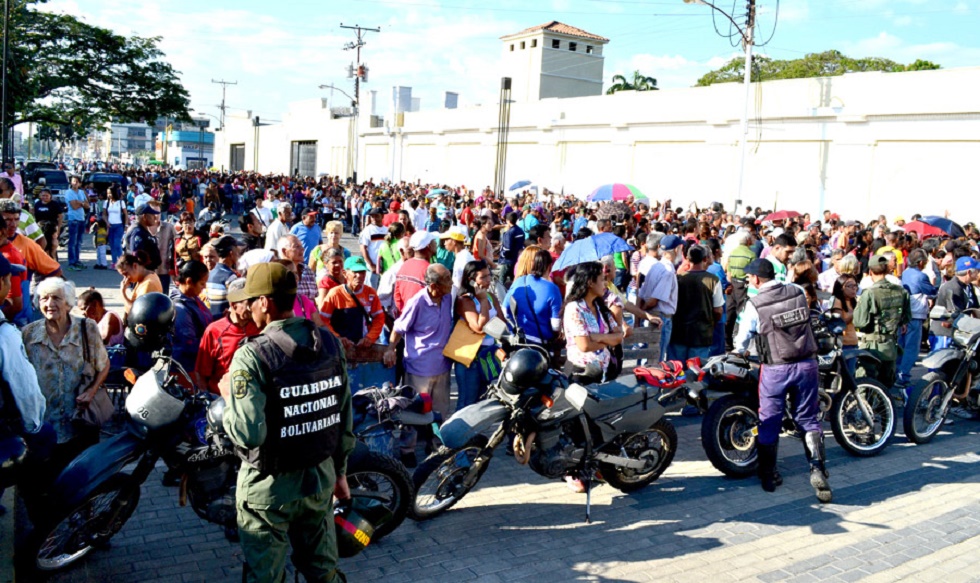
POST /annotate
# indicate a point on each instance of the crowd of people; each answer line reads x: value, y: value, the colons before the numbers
x: 434, y: 266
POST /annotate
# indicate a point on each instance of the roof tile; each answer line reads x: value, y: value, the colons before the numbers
x: 560, y: 28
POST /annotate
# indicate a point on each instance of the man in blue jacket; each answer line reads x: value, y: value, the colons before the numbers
x: 921, y: 291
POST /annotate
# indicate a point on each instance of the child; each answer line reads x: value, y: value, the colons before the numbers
x: 100, y: 230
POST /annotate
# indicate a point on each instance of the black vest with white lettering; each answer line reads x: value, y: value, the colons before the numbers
x: 785, y: 334
x: 303, y: 394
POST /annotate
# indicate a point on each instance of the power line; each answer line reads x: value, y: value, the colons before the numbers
x: 224, y: 87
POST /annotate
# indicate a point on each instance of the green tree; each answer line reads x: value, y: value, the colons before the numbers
x: 74, y: 77
x: 825, y: 64
x: 638, y: 83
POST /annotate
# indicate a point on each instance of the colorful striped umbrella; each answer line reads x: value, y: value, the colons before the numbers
x: 616, y: 191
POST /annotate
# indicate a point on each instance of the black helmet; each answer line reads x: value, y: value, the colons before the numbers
x: 150, y: 320
x: 524, y: 368
x: 354, y: 530
x: 216, y: 415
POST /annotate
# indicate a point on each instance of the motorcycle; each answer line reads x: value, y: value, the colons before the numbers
x: 92, y: 499
x: 613, y: 432
x: 861, y: 413
x: 388, y: 419
x: 952, y: 372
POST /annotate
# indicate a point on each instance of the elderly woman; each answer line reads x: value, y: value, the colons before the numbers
x: 71, y: 363
x: 331, y: 240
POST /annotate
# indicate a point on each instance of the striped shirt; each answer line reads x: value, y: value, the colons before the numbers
x: 28, y: 227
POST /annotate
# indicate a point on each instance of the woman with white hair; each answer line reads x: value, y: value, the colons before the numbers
x: 71, y: 363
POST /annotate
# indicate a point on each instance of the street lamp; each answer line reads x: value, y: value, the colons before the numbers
x: 352, y: 135
x: 747, y: 42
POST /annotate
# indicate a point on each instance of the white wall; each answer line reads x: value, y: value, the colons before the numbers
x: 861, y: 144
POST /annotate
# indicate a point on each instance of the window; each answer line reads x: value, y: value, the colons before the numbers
x: 572, y: 46
x: 523, y: 46
x: 511, y: 48
x: 534, y: 43
x: 555, y: 43
x: 589, y: 49
x: 302, y: 159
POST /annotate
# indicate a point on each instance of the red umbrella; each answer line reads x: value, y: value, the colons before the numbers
x: 781, y: 216
x: 924, y: 230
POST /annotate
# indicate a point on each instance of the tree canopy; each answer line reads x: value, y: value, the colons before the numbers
x: 74, y: 76
x: 825, y: 64
x: 639, y: 82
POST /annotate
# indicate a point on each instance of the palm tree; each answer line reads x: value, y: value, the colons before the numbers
x: 638, y: 83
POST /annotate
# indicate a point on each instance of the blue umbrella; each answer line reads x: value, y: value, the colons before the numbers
x: 436, y: 192
x: 519, y: 185
x: 945, y: 224
x: 591, y: 248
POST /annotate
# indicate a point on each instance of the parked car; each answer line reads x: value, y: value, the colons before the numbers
x: 31, y: 170
x: 56, y: 181
x: 101, y: 181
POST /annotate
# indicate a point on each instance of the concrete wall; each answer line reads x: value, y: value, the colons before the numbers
x: 860, y: 144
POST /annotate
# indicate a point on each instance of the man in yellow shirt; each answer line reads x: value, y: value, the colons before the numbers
x: 892, y: 246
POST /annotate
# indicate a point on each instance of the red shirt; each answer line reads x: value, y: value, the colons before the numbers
x: 466, y: 217
x: 390, y: 218
x: 409, y: 280
x: 14, y: 256
x: 218, y: 345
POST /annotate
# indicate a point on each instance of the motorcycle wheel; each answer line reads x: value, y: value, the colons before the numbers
x: 439, y: 479
x: 655, y: 446
x: 924, y: 411
x: 89, y: 525
x: 727, y: 439
x: 851, y: 429
x: 386, y: 480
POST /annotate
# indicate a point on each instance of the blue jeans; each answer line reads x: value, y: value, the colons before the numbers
x: 665, y: 330
x: 910, y: 342
x: 115, y: 240
x: 774, y: 381
x: 470, y: 383
x: 718, y: 340
x: 682, y: 353
x: 75, y: 231
x: 851, y: 362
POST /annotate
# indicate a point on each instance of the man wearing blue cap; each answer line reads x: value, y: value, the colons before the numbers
x: 778, y: 318
x: 955, y: 295
x: 883, y: 312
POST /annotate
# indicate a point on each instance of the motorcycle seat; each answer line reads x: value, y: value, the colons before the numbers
x: 615, y: 395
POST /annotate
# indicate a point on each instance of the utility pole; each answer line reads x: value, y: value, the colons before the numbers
x: 359, y: 73
x: 224, y: 88
x: 747, y: 40
x: 6, y: 63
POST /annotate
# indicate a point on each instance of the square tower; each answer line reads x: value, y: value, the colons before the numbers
x: 553, y: 60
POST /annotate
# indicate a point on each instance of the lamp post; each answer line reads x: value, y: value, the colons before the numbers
x: 352, y: 133
x: 6, y: 63
x: 748, y: 41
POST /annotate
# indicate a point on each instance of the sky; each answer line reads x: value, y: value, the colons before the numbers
x: 280, y: 52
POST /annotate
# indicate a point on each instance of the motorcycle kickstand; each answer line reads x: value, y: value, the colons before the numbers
x: 588, y: 499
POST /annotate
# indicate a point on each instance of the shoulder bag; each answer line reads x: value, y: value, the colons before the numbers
x: 100, y: 409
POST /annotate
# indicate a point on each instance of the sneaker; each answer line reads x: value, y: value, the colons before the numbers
x: 962, y: 413
x: 100, y: 267
x: 74, y: 267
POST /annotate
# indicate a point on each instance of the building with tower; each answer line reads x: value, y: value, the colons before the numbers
x: 553, y: 60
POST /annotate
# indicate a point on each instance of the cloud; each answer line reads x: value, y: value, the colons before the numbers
x: 886, y: 45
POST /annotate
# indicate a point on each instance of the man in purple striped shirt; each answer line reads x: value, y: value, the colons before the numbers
x: 426, y: 322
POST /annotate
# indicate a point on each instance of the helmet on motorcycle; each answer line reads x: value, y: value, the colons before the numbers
x: 216, y: 414
x: 524, y: 368
x: 150, y: 321
x: 354, y: 530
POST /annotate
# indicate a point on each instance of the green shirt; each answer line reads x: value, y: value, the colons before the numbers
x: 445, y: 258
x: 740, y: 257
x: 244, y: 421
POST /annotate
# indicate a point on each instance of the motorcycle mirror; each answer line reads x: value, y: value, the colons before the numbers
x: 495, y: 328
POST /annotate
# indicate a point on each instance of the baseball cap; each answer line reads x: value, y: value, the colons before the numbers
x: 355, y: 264
x: 455, y: 233
x: 8, y: 268
x: 878, y: 261
x: 965, y: 264
x: 375, y: 211
x: 762, y: 268
x: 395, y: 206
x: 224, y: 244
x: 421, y: 240
x: 266, y: 279
x: 236, y: 291
x: 147, y: 209
x: 311, y: 211
x: 671, y: 242
x: 899, y: 218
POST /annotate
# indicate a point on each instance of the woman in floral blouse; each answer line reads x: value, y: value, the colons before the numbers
x: 590, y: 328
x: 56, y: 346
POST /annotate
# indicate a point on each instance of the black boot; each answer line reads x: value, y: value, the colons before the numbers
x: 768, y: 473
x: 815, y: 454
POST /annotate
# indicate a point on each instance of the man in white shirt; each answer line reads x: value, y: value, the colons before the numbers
x: 371, y: 240
x: 263, y: 212
x: 454, y: 240
x: 826, y: 280
x: 279, y: 227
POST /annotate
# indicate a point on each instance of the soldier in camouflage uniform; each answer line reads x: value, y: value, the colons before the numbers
x: 882, y: 313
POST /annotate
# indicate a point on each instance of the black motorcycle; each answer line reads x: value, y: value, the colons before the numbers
x: 861, y: 413
x: 952, y: 374
x: 94, y: 497
x: 389, y: 419
x: 613, y: 432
